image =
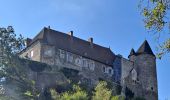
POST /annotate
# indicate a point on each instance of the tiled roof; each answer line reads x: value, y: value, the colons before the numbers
x: 75, y: 45
x: 145, y: 48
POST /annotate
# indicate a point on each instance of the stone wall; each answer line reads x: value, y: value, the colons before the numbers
x: 32, y: 52
x: 117, y: 69
x: 138, y: 73
x: 147, y: 76
x: 140, y: 76
x: 88, y: 68
x: 127, y: 66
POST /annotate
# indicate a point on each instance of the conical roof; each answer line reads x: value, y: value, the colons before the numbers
x: 132, y: 52
x: 145, y: 48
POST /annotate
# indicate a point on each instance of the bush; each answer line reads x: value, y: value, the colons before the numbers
x: 102, y: 92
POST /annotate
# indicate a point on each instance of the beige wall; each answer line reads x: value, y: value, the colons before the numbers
x: 32, y: 52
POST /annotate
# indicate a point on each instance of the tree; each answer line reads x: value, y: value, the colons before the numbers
x: 156, y: 19
x: 13, y: 70
x: 118, y: 98
x: 76, y: 94
x: 102, y: 92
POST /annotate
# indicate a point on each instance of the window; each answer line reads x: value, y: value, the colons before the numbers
x: 85, y: 63
x: 48, y: 53
x: 134, y: 74
x: 69, y: 57
x: 32, y: 54
x: 78, y: 61
x: 104, y: 69
x: 62, y: 54
x: 110, y: 71
x: 91, y: 65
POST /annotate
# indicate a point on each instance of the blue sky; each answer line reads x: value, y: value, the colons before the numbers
x: 112, y: 23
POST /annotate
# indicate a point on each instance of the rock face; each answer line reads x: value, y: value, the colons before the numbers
x: 94, y: 62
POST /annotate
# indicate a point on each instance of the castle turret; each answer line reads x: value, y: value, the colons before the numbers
x: 145, y: 63
x: 132, y: 55
x: 145, y: 49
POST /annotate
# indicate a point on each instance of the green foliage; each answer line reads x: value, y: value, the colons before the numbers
x: 9, y: 42
x: 156, y: 19
x: 118, y: 98
x: 2, y: 97
x: 55, y: 95
x: 102, y: 92
x: 164, y: 49
x: 155, y: 15
x: 76, y: 94
x: 14, y: 69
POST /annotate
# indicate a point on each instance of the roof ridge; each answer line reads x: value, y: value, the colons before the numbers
x: 77, y: 38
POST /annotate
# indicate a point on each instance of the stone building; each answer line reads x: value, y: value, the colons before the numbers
x: 95, y: 62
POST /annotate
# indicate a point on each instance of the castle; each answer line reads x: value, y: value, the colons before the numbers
x: 95, y: 62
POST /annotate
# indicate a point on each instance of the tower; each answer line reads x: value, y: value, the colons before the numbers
x: 132, y: 55
x: 145, y: 66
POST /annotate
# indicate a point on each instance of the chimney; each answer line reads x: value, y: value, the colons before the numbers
x: 90, y: 40
x: 49, y: 27
x: 70, y: 33
x: 27, y: 42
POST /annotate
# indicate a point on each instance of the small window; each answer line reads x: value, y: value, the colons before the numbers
x: 85, y: 63
x: 32, y: 53
x: 62, y: 54
x: 110, y: 71
x: 104, y: 69
x: 78, y: 61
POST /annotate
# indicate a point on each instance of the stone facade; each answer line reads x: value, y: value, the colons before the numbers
x: 95, y: 62
x: 32, y: 52
x: 143, y: 77
x: 88, y: 68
